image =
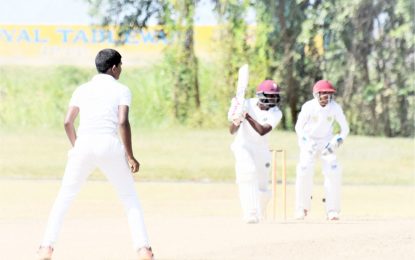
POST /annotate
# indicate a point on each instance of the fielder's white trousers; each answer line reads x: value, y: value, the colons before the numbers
x: 305, y: 173
x: 252, y: 168
x: 106, y: 153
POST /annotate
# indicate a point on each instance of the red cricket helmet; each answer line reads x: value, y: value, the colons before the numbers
x: 268, y: 93
x: 323, y: 86
x: 268, y: 87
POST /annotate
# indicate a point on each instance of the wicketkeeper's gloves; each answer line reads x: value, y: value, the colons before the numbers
x: 332, y: 146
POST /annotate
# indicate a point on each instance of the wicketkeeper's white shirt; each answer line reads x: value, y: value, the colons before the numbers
x: 98, y: 102
x: 316, y: 122
x: 246, y: 134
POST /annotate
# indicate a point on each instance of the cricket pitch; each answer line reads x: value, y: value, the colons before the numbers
x: 198, y: 221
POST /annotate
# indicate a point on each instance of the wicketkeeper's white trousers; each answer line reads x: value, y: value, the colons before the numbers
x: 305, y: 173
x: 107, y: 153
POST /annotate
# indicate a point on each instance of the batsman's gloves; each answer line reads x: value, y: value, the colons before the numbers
x: 238, y: 121
x: 236, y: 110
x: 332, y: 146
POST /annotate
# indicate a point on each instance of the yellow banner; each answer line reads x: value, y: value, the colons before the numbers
x: 78, y: 44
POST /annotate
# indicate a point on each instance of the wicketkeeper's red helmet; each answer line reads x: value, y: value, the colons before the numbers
x: 323, y: 86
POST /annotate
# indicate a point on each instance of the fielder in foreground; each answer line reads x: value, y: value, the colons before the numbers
x: 103, y: 104
x: 251, y: 121
x: 314, y: 130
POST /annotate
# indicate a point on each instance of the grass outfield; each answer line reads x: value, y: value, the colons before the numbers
x: 204, y: 155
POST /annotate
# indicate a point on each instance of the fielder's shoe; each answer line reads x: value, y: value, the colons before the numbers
x: 300, y: 214
x: 145, y: 253
x: 44, y: 253
x: 333, y: 215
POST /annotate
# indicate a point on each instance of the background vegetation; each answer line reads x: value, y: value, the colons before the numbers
x: 33, y: 97
x: 365, y: 47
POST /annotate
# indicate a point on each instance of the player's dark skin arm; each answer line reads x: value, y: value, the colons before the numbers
x: 125, y: 133
x: 69, y: 123
x: 260, y: 129
x: 233, y: 128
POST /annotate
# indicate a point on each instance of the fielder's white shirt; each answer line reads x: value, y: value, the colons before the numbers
x: 246, y: 134
x: 98, y: 102
x: 316, y: 122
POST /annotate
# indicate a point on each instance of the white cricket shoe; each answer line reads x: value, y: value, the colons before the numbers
x: 333, y: 215
x: 300, y: 214
x: 251, y: 219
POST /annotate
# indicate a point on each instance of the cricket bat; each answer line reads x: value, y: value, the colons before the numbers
x: 243, y: 78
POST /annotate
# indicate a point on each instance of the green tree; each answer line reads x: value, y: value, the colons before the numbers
x: 394, y: 58
x: 176, y: 18
x: 365, y: 47
x: 234, y: 48
x: 368, y: 45
x: 293, y: 56
x: 182, y: 61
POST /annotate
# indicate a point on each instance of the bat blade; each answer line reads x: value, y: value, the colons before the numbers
x: 243, y: 78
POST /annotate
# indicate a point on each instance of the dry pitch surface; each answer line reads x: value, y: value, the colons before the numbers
x: 198, y: 221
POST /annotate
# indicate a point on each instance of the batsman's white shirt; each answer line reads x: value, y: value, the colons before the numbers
x: 246, y: 134
x: 252, y: 160
x: 316, y: 122
x: 98, y: 101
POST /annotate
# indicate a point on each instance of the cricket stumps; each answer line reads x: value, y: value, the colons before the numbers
x: 279, y: 155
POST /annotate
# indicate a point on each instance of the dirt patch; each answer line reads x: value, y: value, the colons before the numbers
x: 202, y: 221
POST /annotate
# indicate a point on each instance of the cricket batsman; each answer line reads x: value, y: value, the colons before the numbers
x: 314, y: 130
x: 251, y: 121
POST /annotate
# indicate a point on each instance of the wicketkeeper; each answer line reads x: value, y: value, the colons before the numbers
x: 251, y: 122
x: 314, y: 130
x: 103, y: 104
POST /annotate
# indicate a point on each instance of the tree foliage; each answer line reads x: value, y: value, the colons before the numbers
x: 369, y: 55
x: 294, y: 69
x: 176, y: 19
x: 366, y: 50
x: 182, y: 62
x: 365, y: 47
x: 234, y: 48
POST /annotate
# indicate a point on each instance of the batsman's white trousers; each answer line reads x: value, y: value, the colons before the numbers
x: 252, y: 166
x: 305, y: 173
x: 107, y: 153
